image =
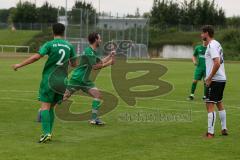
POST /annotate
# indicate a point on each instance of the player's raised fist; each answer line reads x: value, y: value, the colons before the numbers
x: 98, y: 66
x: 113, y: 53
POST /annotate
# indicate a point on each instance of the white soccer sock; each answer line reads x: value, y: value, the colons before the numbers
x: 211, y: 122
x: 223, y: 118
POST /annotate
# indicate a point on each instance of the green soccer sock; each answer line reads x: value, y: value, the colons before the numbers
x: 194, y: 86
x: 95, y: 106
x: 52, y: 116
x: 45, y: 121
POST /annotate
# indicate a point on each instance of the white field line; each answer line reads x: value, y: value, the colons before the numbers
x: 138, y: 107
x: 156, y: 99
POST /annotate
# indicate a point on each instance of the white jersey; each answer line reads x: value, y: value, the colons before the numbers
x: 214, y: 50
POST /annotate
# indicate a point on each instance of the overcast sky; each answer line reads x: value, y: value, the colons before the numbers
x: 125, y: 6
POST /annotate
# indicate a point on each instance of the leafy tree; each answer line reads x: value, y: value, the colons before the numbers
x: 193, y: 12
x: 47, y: 13
x: 83, y: 11
x: 165, y: 12
x: 233, y: 21
x: 26, y: 12
x: 4, y: 13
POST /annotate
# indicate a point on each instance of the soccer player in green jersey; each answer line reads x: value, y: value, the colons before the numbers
x: 60, y: 54
x: 200, y: 71
x: 79, y: 79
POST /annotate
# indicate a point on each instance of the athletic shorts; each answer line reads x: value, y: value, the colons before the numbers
x: 215, y: 92
x: 199, y: 74
x: 46, y: 94
x: 76, y: 85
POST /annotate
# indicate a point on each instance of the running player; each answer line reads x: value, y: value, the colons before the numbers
x: 215, y: 81
x: 58, y: 51
x: 80, y: 76
x: 200, y: 71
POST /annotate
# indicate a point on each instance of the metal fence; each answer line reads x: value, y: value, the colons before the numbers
x: 14, y: 48
x: 26, y: 26
x: 81, y: 22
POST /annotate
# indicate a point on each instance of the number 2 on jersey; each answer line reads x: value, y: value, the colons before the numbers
x: 62, y: 52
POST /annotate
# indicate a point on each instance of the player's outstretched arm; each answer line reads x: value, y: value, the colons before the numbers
x: 28, y: 61
x: 73, y: 63
x: 102, y: 64
x: 106, y: 61
x: 109, y: 57
x: 194, y: 59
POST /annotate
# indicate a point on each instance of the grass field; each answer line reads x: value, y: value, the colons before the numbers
x: 119, y: 139
x: 20, y: 37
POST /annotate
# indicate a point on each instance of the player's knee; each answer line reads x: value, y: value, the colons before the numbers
x: 220, y: 106
x: 98, y: 96
x: 45, y: 106
x: 95, y: 93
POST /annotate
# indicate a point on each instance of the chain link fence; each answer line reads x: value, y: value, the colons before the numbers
x: 81, y: 22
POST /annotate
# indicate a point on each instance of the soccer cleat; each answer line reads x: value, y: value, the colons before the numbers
x: 190, y: 98
x: 96, y: 122
x: 45, y: 138
x: 224, y: 132
x: 209, y: 136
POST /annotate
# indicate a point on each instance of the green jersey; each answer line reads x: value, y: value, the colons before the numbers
x: 59, y: 53
x: 55, y: 70
x: 199, y: 53
x: 82, y: 73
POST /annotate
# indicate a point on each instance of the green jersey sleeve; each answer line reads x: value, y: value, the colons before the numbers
x: 92, y: 59
x: 44, y: 50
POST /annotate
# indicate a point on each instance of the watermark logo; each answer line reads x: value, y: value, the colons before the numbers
x: 123, y: 85
x: 156, y: 116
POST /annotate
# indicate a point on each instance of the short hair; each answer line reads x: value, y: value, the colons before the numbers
x: 208, y: 29
x: 58, y: 29
x: 92, y: 37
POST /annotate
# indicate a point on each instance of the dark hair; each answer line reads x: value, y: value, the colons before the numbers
x: 58, y: 29
x: 208, y: 29
x: 92, y: 37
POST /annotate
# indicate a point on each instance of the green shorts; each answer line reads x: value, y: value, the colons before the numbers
x: 77, y: 85
x: 199, y: 74
x: 46, y: 94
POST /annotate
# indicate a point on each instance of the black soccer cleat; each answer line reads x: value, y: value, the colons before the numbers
x: 97, y: 122
x: 224, y: 132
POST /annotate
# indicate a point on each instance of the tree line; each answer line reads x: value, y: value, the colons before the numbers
x: 163, y: 13
x: 27, y: 12
x: 193, y: 12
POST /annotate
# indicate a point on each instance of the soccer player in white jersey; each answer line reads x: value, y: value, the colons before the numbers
x: 215, y: 81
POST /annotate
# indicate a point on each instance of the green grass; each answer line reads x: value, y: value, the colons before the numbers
x: 118, y: 140
x: 229, y: 38
x: 19, y: 37
x: 158, y: 39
